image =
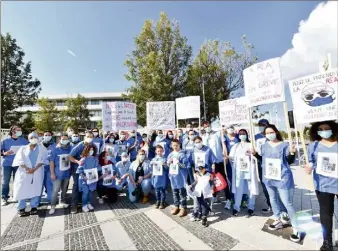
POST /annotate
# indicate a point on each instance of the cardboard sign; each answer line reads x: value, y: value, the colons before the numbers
x: 234, y: 111
x: 188, y: 107
x: 161, y: 115
x: 119, y: 116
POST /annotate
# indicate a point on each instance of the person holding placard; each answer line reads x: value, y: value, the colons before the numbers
x: 121, y: 145
x: 139, y: 178
x: 60, y: 170
x: 75, y: 158
x: 243, y: 173
x: 188, y: 148
x: 9, y: 148
x: 162, y: 141
x: 88, y: 172
x: 123, y: 167
x: 145, y: 145
x: 97, y: 140
x: 159, y: 176
x: 177, y: 162
x: 276, y: 157
x: 323, y: 162
x: 133, y: 144
x: 110, y: 147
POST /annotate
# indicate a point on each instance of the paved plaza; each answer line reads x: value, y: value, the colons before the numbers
x: 127, y: 226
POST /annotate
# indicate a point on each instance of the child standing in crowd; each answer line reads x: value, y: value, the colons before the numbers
x: 243, y: 173
x: 162, y: 141
x: 88, y: 176
x: 178, y: 175
x: 323, y: 160
x: 60, y: 171
x: 123, y: 167
x: 160, y: 173
x: 276, y: 156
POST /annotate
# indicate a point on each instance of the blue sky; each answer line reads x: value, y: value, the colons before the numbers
x: 101, y: 34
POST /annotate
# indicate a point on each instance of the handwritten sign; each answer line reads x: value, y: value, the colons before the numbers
x: 188, y: 107
x: 161, y: 115
x: 314, y: 97
x: 263, y: 83
x: 119, y: 116
x: 234, y: 111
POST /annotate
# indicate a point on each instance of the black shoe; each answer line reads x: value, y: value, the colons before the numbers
x: 157, y: 205
x: 234, y: 212
x: 204, y: 222
x: 162, y: 205
x: 73, y: 210
x: 22, y: 213
x: 34, y: 211
x: 327, y: 246
x: 251, y: 213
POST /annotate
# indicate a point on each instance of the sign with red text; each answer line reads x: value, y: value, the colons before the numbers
x: 119, y: 116
x: 314, y: 97
x: 263, y: 83
x: 233, y: 111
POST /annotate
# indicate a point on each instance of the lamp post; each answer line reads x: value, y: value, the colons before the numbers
x: 205, y: 113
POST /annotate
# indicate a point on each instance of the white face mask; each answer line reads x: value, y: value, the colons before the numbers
x: 124, y: 159
x: 230, y: 130
x: 64, y: 141
x: 208, y: 129
x: 145, y: 139
x: 91, y: 152
x: 75, y: 139
x: 47, y: 138
x: 170, y: 136
x: 33, y: 141
x: 199, y: 145
x: 122, y: 137
x: 89, y: 140
x: 18, y: 133
x: 141, y: 158
x: 95, y: 134
x: 132, y: 134
x: 191, y: 137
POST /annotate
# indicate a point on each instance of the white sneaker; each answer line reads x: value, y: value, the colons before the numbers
x: 85, y: 209
x: 64, y: 205
x: 295, y: 236
x: 52, y: 211
x: 4, y: 202
x: 101, y: 201
x: 90, y: 207
x: 227, y: 205
x: 277, y: 224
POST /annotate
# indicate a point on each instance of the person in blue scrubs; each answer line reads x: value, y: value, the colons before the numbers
x: 162, y: 141
x: 188, y: 128
x: 133, y: 144
x: 48, y: 142
x: 179, y: 136
x: 75, y: 139
x: 97, y: 141
x: 15, y: 140
x: 121, y: 141
x: 322, y: 154
x: 75, y: 157
x: 188, y: 148
x: 60, y: 171
x: 276, y: 157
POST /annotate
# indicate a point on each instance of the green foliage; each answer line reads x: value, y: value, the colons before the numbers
x: 158, y: 64
x: 76, y: 115
x: 18, y: 88
x: 99, y: 124
x: 219, y: 67
x: 48, y: 117
x: 27, y: 123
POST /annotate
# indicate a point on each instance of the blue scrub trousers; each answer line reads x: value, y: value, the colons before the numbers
x: 48, y: 185
x: 34, y: 203
x: 146, y: 187
x: 6, y: 178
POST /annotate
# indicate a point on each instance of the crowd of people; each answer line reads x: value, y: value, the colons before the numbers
x: 181, y: 162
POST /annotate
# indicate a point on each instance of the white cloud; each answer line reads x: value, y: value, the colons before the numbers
x: 72, y: 53
x: 316, y: 37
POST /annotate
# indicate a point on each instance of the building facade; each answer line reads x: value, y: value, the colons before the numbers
x: 94, y: 103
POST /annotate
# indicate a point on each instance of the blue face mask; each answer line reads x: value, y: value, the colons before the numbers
x: 159, y: 137
x: 111, y: 140
x: 242, y: 137
x: 261, y: 128
x: 271, y: 136
x: 325, y: 134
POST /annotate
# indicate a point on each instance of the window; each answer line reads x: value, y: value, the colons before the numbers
x: 60, y: 103
x: 96, y: 113
x: 95, y: 102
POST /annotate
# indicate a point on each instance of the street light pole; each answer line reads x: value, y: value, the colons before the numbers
x: 205, y: 116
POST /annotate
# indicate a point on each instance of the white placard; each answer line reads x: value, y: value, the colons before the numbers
x: 243, y: 163
x: 64, y: 162
x: 119, y: 116
x: 273, y: 169
x: 161, y: 115
x: 108, y: 171
x: 327, y: 164
x: 121, y: 149
x: 157, y: 168
x: 314, y: 97
x: 263, y: 83
x: 173, y: 169
x: 111, y: 149
x: 15, y: 149
x: 203, y: 186
x: 91, y: 175
x: 234, y: 111
x: 199, y: 159
x: 188, y: 107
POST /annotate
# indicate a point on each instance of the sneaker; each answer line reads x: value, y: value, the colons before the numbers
x: 162, y: 205
x: 34, y: 211
x: 204, y: 222
x: 295, y: 236
x: 85, y: 209
x: 157, y: 205
x: 251, y: 213
x: 64, y: 205
x: 52, y: 211
x: 90, y: 207
x: 327, y: 246
x: 266, y: 210
x: 73, y: 210
x: 277, y: 224
x: 22, y: 213
x: 4, y: 202
x: 285, y: 219
x: 101, y: 201
x: 234, y: 212
x: 227, y: 205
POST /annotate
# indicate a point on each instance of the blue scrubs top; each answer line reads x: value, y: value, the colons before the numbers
x: 6, y: 146
x: 160, y: 181
x: 55, y: 157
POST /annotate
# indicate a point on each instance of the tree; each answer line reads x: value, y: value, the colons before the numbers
x: 218, y: 67
x: 76, y: 115
x: 48, y: 118
x: 27, y: 123
x: 18, y: 88
x: 158, y: 64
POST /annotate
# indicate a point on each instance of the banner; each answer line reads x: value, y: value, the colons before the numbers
x: 119, y: 116
x: 314, y: 97
x: 234, y: 111
x: 188, y: 107
x: 263, y: 83
x: 161, y: 115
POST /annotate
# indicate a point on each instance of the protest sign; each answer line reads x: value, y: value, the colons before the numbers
x: 233, y: 111
x: 161, y: 115
x: 119, y: 116
x: 263, y: 83
x: 314, y: 97
x: 188, y: 107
